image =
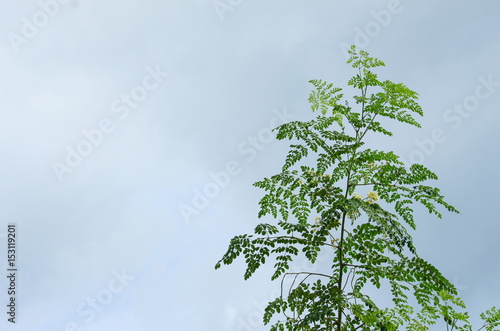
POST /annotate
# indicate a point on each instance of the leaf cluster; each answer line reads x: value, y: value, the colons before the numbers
x: 315, y: 201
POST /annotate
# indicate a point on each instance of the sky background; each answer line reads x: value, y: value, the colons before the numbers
x: 102, y: 243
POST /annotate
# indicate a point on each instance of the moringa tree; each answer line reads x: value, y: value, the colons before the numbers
x: 316, y: 199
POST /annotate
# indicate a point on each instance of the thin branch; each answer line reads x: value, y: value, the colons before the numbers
x: 309, y: 273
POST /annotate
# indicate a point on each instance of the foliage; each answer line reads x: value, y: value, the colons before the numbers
x: 318, y: 208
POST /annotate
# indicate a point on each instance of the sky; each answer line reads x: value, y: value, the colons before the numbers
x: 131, y: 133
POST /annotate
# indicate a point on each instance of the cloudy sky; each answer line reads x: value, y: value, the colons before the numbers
x: 131, y: 133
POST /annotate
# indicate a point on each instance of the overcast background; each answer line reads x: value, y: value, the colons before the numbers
x: 103, y: 244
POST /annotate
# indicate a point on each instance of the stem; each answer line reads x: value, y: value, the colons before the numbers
x: 348, y: 186
x: 341, y: 244
x: 341, y: 260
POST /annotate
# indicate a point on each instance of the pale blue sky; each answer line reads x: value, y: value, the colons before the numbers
x: 158, y: 97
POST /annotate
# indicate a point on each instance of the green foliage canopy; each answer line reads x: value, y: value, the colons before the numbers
x: 318, y: 208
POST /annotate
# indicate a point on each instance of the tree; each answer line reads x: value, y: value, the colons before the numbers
x: 316, y: 200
